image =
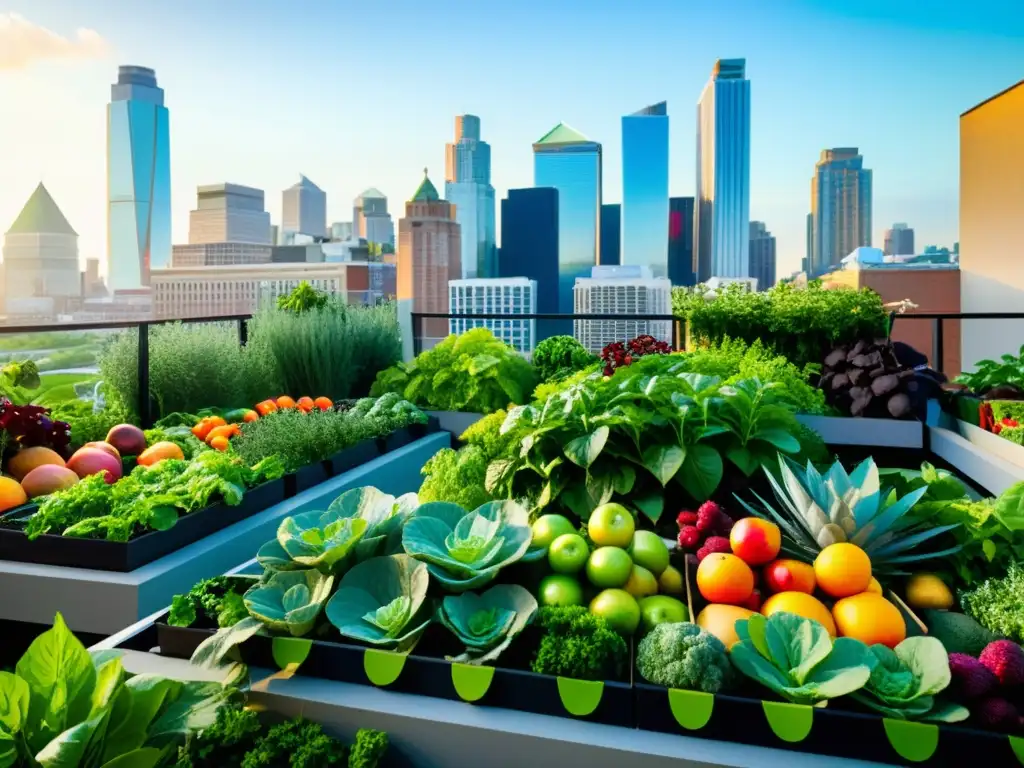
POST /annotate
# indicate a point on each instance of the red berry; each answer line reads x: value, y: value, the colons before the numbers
x: 714, y: 545
x: 707, y: 516
x: 686, y: 518
x: 689, y: 537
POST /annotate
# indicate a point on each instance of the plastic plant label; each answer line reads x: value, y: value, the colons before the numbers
x: 1017, y: 745
x: 472, y: 681
x: 290, y: 652
x: 790, y: 722
x: 580, y: 697
x: 691, y: 709
x: 382, y: 667
x: 915, y: 742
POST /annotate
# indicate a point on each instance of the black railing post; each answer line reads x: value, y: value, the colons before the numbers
x: 243, y: 331
x: 417, y: 340
x: 938, y: 350
x: 145, y: 405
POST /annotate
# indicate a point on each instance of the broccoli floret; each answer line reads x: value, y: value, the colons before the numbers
x: 368, y: 749
x: 578, y: 644
x: 684, y: 656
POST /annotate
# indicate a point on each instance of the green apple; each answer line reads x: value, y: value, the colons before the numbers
x: 641, y: 582
x: 619, y: 609
x: 547, y: 528
x: 661, y: 609
x: 649, y: 550
x: 568, y: 553
x: 611, y: 525
x: 671, y: 582
x: 560, y: 589
x: 609, y: 567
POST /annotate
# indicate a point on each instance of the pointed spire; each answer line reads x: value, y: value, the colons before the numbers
x: 41, y: 215
x: 426, y: 192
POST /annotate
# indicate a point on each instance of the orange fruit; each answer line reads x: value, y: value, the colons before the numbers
x: 842, y: 570
x: 801, y: 604
x: 250, y: 416
x: 874, y: 586
x: 724, y: 578
x: 227, y: 431
x: 267, y: 406
x: 11, y: 494
x: 871, y: 619
x: 755, y: 541
x: 27, y: 459
x: 324, y: 403
x: 219, y: 443
x: 790, y: 576
x: 720, y: 621
x: 305, y: 404
x: 284, y: 402
x: 158, y: 452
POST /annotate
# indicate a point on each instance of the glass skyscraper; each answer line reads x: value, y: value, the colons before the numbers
x: 840, y: 208
x: 721, y: 228
x: 468, y: 186
x: 138, y: 180
x: 645, y: 189
x: 568, y: 161
x: 680, y: 240
x: 611, y: 234
x: 529, y: 242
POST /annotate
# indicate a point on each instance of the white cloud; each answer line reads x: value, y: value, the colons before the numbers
x: 23, y: 43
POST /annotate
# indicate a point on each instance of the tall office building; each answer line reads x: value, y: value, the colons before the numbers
x: 304, y: 209
x: 468, y: 186
x: 805, y: 262
x: 840, y: 207
x: 568, y: 161
x: 341, y: 231
x: 611, y: 234
x: 429, y: 256
x: 228, y: 213
x: 138, y: 179
x: 762, y: 255
x: 645, y: 206
x: 899, y: 241
x: 40, y: 258
x: 722, y: 221
x: 496, y: 296
x: 371, y: 220
x: 680, y: 241
x: 529, y: 242
x: 621, y: 290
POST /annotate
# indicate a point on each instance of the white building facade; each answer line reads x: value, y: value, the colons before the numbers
x: 505, y: 296
x: 621, y: 290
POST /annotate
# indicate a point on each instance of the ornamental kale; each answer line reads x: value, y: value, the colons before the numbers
x: 576, y: 643
x: 487, y: 623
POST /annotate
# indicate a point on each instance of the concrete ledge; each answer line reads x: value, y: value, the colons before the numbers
x: 455, y: 422
x: 989, y: 470
x: 880, y: 433
x: 103, y: 602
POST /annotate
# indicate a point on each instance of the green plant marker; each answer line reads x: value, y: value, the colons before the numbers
x: 382, y: 667
x: 790, y: 722
x: 1017, y: 745
x: 290, y: 651
x: 915, y: 742
x: 691, y: 709
x: 580, y: 697
x: 471, y: 681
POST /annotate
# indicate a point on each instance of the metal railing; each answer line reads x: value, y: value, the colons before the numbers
x: 938, y: 320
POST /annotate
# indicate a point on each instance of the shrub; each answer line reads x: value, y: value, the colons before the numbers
x: 801, y: 323
x: 326, y: 350
x: 472, y: 372
x: 560, y: 356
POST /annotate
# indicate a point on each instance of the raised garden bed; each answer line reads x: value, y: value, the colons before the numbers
x: 455, y: 422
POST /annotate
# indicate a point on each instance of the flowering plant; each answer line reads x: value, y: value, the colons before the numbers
x: 617, y: 354
x: 25, y: 426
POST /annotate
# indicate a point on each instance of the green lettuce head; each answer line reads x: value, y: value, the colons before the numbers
x: 487, y: 623
x: 289, y: 601
x: 466, y: 550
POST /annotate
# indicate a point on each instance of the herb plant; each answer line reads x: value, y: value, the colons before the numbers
x: 217, y: 600
x: 996, y: 603
x: 1008, y: 370
x: 576, y: 643
x: 303, y: 298
x: 557, y: 357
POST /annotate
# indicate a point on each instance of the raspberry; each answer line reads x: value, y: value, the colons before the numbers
x: 707, y: 516
x: 724, y: 526
x: 689, y: 537
x: 686, y: 518
x: 713, y: 545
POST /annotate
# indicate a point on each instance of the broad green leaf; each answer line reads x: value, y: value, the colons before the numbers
x: 214, y: 649
x: 701, y: 471
x: 743, y: 459
x: 664, y: 461
x: 651, y: 505
x: 779, y: 438
x: 136, y: 707
x: 194, y: 709
x: 583, y: 451
x: 14, y: 703
x: 147, y: 757
x: 72, y: 748
x: 8, y: 750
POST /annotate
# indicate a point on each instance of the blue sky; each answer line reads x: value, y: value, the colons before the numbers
x: 357, y: 94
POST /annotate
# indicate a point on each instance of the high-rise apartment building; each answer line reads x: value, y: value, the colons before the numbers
x: 722, y: 220
x: 645, y: 206
x: 899, y: 241
x: 429, y: 256
x: 341, y: 231
x: 229, y: 213
x: 762, y: 255
x: 805, y: 262
x: 468, y: 186
x: 496, y: 296
x: 621, y: 290
x: 840, y: 208
x: 304, y: 209
x: 529, y: 242
x: 611, y: 234
x: 138, y: 179
x: 568, y: 161
x: 371, y: 220
x: 40, y: 258
x: 680, y: 241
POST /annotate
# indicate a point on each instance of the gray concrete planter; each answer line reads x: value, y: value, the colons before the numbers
x: 455, y: 422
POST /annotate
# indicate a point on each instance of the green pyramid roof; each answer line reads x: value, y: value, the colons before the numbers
x: 562, y: 134
x: 426, y: 192
x: 41, y: 216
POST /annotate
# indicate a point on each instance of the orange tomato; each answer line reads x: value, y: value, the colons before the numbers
x: 305, y: 404
x: 267, y: 406
x: 324, y: 403
x: 227, y: 432
x: 219, y: 443
x: 216, y: 421
x: 284, y: 402
x: 250, y: 416
x: 201, y: 429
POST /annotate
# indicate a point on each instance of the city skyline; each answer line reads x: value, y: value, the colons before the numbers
x: 796, y: 111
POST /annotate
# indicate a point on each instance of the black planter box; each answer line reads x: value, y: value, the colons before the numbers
x: 825, y: 731
x: 125, y: 556
x: 610, y: 703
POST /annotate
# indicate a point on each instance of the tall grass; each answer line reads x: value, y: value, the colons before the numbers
x: 333, y: 351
